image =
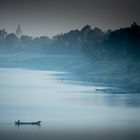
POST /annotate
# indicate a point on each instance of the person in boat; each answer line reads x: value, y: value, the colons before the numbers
x: 18, y: 121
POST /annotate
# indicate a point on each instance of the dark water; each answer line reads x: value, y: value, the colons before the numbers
x: 30, y: 95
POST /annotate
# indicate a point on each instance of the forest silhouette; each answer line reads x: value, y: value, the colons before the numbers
x: 111, y: 57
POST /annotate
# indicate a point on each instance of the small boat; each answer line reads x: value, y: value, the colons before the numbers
x: 27, y: 123
x: 99, y: 89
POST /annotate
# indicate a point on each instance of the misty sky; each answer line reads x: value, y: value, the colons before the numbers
x: 50, y: 17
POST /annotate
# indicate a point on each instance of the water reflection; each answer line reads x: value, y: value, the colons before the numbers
x: 41, y: 95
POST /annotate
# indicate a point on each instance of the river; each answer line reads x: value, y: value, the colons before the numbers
x: 32, y: 95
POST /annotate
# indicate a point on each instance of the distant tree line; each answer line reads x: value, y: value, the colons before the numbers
x: 95, y: 43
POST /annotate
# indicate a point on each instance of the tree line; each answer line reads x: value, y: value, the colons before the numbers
x: 94, y: 43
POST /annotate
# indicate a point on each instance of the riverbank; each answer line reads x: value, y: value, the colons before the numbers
x: 122, y: 74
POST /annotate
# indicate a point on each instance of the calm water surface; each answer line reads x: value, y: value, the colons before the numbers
x: 31, y: 95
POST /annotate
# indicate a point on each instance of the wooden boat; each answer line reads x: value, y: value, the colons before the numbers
x: 111, y: 91
x: 27, y: 123
x: 99, y: 89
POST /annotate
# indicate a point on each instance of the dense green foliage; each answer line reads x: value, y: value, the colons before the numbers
x: 95, y: 43
x: 110, y: 57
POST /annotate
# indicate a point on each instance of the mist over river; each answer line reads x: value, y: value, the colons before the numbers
x: 32, y: 95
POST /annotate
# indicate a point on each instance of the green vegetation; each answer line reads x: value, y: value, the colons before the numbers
x: 111, y: 57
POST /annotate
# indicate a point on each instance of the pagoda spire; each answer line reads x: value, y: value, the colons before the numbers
x: 19, y: 31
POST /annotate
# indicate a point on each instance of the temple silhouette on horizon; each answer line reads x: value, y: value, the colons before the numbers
x: 19, y: 31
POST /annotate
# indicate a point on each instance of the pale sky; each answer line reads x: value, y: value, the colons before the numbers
x: 50, y: 17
